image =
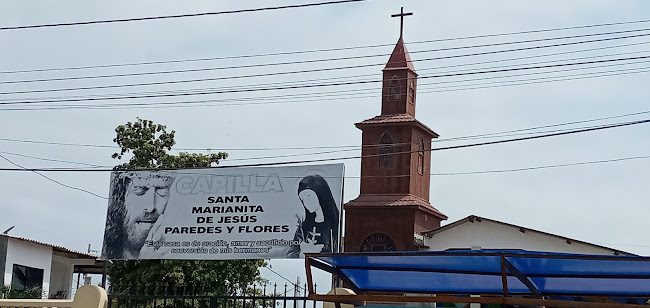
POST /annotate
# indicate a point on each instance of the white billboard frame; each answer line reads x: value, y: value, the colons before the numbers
x: 224, y: 213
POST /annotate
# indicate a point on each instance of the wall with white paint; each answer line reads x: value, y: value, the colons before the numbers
x: 28, y: 254
x: 486, y: 234
x: 61, y: 276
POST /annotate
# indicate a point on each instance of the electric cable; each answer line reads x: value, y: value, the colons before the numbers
x: 193, y: 70
x: 210, y: 102
x: 355, y: 147
x: 603, y: 161
x: 328, y: 84
x: 555, y: 134
x: 343, y: 92
x: 53, y: 180
x: 308, y: 82
x: 52, y: 160
x: 540, y: 80
x: 175, y: 16
x: 542, y: 167
x: 339, y: 150
x: 263, y: 99
x: 320, y: 96
x: 318, y: 79
x: 324, y: 50
x: 285, y: 278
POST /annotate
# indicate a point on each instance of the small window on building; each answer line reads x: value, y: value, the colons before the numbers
x: 25, y: 277
x: 378, y: 242
x: 394, y: 89
x: 421, y: 157
x: 386, y: 152
x: 412, y: 92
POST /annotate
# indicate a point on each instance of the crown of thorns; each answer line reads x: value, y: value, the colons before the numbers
x: 167, y: 177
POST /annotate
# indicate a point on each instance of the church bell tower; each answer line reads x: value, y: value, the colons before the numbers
x: 395, y: 169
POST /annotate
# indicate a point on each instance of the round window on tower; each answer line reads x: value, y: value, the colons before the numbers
x: 378, y: 242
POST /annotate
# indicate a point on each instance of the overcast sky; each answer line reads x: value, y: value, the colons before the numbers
x: 602, y: 203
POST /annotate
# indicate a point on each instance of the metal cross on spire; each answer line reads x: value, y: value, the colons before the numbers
x: 401, y: 22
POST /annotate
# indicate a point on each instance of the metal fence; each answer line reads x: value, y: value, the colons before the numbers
x: 256, y: 296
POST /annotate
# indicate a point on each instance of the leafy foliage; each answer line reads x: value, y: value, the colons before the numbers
x: 6, y: 291
x: 149, y: 143
x: 221, y: 278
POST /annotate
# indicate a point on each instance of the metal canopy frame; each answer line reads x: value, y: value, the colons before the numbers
x: 517, y: 286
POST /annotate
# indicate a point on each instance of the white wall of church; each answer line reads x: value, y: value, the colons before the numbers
x: 490, y: 235
x: 28, y: 254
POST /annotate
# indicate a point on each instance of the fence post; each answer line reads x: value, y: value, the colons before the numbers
x: 339, y: 291
x: 213, y: 302
x: 90, y: 296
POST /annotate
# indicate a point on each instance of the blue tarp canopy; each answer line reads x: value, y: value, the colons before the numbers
x: 490, y: 272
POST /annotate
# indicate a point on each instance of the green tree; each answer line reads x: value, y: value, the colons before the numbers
x: 149, y: 144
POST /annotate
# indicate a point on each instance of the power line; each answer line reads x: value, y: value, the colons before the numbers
x: 357, y: 148
x: 542, y: 167
x: 541, y: 56
x: 267, y: 101
x: 53, y: 180
x: 536, y: 81
x: 482, y: 171
x: 520, y: 133
x: 555, y: 134
x: 318, y: 79
x: 285, y: 278
x: 544, y: 126
x: 340, y: 93
x: 175, y: 16
x: 323, y: 50
x: 52, y: 160
x: 324, y: 84
x: 354, y: 147
x: 357, y: 90
x: 311, y: 70
x: 59, y: 143
x: 307, y: 82
x: 264, y: 99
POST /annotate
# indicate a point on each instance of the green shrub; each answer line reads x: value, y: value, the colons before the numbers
x: 7, y: 291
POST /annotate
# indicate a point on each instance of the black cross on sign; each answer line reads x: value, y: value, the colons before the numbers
x: 401, y: 22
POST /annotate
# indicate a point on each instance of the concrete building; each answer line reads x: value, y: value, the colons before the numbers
x: 26, y: 263
x: 474, y: 232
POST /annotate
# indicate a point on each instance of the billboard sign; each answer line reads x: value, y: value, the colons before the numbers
x: 224, y: 213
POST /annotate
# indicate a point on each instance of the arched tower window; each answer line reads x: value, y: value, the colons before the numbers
x: 378, y: 242
x: 386, y: 151
x: 394, y: 89
x: 421, y: 157
x: 412, y: 92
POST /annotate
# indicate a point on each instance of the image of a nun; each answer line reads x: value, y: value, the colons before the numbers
x: 318, y: 229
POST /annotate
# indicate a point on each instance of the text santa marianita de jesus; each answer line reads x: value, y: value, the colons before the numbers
x: 226, y: 212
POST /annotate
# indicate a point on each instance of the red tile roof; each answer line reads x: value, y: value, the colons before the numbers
x: 390, y: 118
x: 55, y: 248
x: 396, y: 118
x: 393, y: 200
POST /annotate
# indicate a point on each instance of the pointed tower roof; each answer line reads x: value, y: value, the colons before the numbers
x: 400, y: 57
